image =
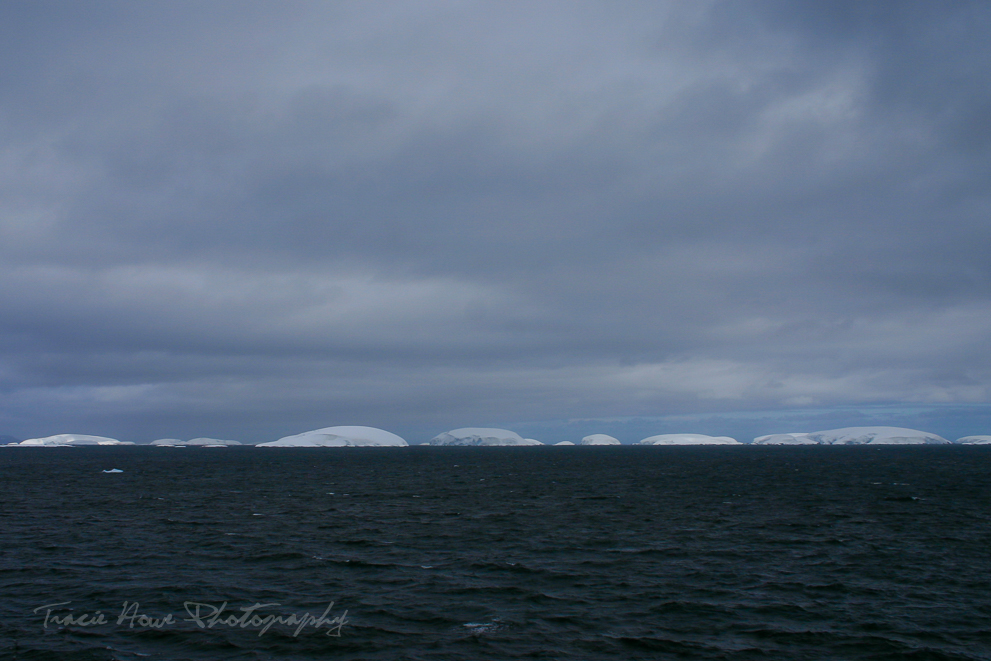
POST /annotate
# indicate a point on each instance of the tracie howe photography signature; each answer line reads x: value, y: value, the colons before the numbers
x: 257, y: 616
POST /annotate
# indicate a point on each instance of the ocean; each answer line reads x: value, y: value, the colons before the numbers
x: 433, y: 553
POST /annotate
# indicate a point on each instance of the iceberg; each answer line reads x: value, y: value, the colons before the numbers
x: 210, y: 442
x: 793, y: 438
x: 167, y: 443
x: 71, y: 440
x: 599, y: 439
x: 876, y: 436
x: 564, y: 443
x: 339, y: 437
x: 688, y: 439
x: 854, y: 436
x: 195, y: 442
x: 481, y: 436
x: 113, y: 470
x: 974, y: 440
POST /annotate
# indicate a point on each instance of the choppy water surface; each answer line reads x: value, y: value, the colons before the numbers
x: 495, y: 553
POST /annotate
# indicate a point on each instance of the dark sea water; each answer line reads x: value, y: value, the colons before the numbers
x: 501, y: 553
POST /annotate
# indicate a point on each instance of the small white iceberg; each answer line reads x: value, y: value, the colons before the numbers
x: 564, y: 443
x: 339, y: 437
x: 478, y: 436
x: 974, y: 440
x: 113, y: 470
x: 688, y: 439
x: 194, y: 442
x: 168, y: 443
x: 793, y: 438
x: 599, y: 439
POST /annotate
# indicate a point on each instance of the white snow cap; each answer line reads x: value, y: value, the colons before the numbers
x: 198, y: 442
x: 481, y: 436
x: 564, y: 443
x: 792, y: 438
x: 167, y: 442
x: 339, y: 437
x: 210, y: 442
x: 876, y: 436
x: 599, y: 439
x: 69, y: 440
x: 854, y: 436
x: 688, y: 439
x: 975, y: 440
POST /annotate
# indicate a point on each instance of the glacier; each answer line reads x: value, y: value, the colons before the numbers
x: 876, y: 436
x: 71, y: 440
x: 688, y: 439
x: 974, y: 440
x: 339, y: 437
x: 194, y: 442
x: 791, y: 438
x: 599, y: 439
x: 855, y: 436
x: 481, y: 436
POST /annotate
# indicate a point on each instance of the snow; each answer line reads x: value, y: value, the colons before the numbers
x: 70, y: 440
x: 876, y: 436
x: 792, y: 438
x: 338, y: 437
x: 194, y: 442
x: 688, y: 439
x: 481, y: 436
x: 209, y: 442
x: 167, y: 442
x: 564, y: 443
x: 113, y: 470
x: 855, y: 436
x: 975, y: 440
x: 599, y: 439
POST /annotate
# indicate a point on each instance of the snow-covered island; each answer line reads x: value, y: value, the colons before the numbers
x: 68, y: 441
x: 481, y: 436
x: 339, y: 437
x: 974, y: 440
x: 194, y: 442
x: 855, y: 436
x: 688, y: 439
x: 791, y: 438
x: 564, y: 443
x: 599, y: 439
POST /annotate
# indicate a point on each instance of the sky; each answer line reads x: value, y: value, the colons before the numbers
x: 246, y: 220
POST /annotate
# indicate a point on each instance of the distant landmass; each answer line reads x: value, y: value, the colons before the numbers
x: 481, y: 436
x: 356, y: 436
x: 195, y: 442
x: 339, y: 437
x: 855, y: 436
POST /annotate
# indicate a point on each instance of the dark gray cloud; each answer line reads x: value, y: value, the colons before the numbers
x: 250, y: 219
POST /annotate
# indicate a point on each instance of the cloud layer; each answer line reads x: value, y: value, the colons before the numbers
x: 251, y: 219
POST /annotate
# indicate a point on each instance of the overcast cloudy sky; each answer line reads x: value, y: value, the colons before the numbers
x: 249, y: 219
